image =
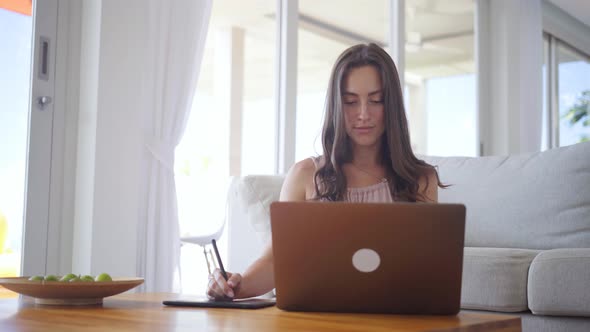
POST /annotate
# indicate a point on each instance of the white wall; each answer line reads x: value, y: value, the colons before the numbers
x: 109, y: 139
x: 65, y: 140
x: 85, y: 156
x: 509, y: 59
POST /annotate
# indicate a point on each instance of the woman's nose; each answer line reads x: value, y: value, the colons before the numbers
x: 363, y: 111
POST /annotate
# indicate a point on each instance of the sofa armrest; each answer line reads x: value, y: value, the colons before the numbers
x: 559, y: 283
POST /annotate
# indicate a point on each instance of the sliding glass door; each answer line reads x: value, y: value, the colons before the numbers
x: 16, y: 26
x: 231, y: 126
x: 27, y: 58
x: 440, y: 77
x: 573, y: 95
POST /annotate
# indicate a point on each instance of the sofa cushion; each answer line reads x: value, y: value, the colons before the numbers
x: 534, y: 201
x: 496, y: 278
x: 559, y: 283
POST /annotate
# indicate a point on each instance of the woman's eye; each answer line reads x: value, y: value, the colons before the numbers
x: 350, y: 102
x: 376, y: 101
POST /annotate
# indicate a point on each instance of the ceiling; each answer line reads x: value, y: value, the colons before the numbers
x: 580, y: 9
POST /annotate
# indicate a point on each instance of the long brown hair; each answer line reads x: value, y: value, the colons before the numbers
x: 403, y: 169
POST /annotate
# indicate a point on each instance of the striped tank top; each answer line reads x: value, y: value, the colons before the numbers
x: 376, y: 193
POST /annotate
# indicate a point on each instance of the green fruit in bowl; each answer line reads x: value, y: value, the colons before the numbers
x: 68, y: 277
x: 75, y: 279
x: 87, y: 278
x: 36, y: 278
x: 103, y: 277
x: 51, y: 277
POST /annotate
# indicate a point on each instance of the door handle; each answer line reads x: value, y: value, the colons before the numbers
x: 43, y: 101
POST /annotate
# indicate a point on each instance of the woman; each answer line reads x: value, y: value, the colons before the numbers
x: 367, y: 156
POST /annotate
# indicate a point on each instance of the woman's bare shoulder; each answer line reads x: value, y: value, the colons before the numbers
x: 305, y: 166
x: 303, y: 171
x: 299, y: 180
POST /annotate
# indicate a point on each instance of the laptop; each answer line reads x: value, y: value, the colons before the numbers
x: 400, y: 258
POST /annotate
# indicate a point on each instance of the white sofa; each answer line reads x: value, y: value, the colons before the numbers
x: 527, y: 233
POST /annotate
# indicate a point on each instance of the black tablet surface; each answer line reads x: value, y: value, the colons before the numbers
x: 254, y: 303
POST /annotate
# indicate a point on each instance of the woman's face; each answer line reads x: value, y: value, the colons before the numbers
x: 362, y: 104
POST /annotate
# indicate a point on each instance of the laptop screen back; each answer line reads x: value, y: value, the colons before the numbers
x: 365, y: 257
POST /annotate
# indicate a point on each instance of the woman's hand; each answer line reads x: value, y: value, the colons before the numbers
x: 219, y: 289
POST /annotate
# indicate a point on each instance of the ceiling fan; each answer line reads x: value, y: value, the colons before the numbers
x: 426, y: 11
x: 416, y: 43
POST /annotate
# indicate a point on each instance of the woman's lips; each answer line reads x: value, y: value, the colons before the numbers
x: 363, y: 130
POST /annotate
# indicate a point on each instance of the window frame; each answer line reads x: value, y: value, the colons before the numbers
x: 552, y: 86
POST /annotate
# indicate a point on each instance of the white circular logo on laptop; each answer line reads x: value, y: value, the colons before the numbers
x: 366, y: 260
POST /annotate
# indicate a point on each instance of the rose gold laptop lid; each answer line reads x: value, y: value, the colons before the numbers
x: 398, y: 258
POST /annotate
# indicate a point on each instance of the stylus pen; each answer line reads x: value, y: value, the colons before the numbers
x: 219, y: 260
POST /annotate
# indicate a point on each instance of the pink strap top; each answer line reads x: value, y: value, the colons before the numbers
x: 376, y: 193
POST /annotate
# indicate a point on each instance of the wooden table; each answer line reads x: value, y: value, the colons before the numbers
x: 145, y: 312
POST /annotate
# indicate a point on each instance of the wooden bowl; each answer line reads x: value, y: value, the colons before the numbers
x: 69, y: 293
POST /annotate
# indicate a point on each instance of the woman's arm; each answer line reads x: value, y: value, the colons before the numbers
x: 258, y: 279
x: 428, y: 187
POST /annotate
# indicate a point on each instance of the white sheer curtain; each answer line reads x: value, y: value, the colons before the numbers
x: 174, y: 49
